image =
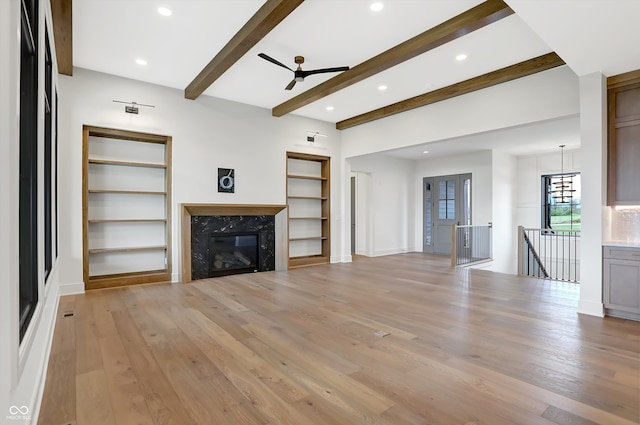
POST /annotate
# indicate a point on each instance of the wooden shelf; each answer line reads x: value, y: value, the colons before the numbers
x: 132, y: 278
x: 315, y: 198
x: 129, y: 274
x: 130, y: 249
x: 126, y: 163
x: 309, y: 176
x: 297, y: 176
x: 130, y: 220
x: 308, y: 260
x: 128, y: 192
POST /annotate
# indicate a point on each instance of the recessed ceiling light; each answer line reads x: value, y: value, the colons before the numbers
x: 382, y: 87
x: 141, y: 61
x: 425, y: 152
x: 461, y: 57
x: 329, y: 108
x: 376, y: 6
x: 164, y: 11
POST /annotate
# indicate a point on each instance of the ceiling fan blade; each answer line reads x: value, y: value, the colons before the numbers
x: 291, y: 84
x: 324, y: 70
x: 272, y: 60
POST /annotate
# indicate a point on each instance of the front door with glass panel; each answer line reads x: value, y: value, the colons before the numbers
x: 447, y: 201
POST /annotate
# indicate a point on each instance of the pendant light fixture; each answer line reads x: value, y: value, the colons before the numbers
x: 562, y: 191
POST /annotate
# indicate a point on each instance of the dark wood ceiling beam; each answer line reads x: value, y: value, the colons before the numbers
x: 260, y: 24
x: 61, y: 12
x: 475, y: 18
x: 513, y: 72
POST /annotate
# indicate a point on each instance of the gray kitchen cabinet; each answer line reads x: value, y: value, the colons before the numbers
x: 621, y: 268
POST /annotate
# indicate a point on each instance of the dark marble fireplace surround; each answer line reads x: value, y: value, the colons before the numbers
x: 189, y: 210
x: 203, y: 228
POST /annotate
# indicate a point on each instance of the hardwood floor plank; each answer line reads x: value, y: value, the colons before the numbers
x: 60, y: 408
x: 165, y: 407
x: 280, y: 384
x: 464, y: 347
x: 327, y: 376
x: 125, y: 393
x: 562, y: 417
x: 93, y: 405
x: 88, y: 357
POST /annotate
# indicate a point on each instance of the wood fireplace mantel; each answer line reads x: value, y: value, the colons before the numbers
x: 189, y: 210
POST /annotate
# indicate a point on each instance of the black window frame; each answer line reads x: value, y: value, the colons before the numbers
x: 547, y: 204
x: 48, y: 130
x: 28, y: 183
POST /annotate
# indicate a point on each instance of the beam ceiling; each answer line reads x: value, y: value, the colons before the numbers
x: 475, y: 18
x: 62, y: 34
x: 260, y: 24
x: 513, y: 72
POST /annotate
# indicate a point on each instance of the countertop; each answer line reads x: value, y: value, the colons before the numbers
x: 627, y: 244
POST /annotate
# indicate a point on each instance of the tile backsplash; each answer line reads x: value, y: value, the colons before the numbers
x: 625, y: 224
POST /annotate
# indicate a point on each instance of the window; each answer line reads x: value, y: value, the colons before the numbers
x: 428, y: 219
x: 28, y: 191
x: 48, y: 188
x: 561, y: 195
x: 447, y: 200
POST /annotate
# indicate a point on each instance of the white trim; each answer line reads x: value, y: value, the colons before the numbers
x: 341, y: 258
x: 39, y: 388
x: 591, y: 308
x: 71, y: 289
x: 382, y: 252
x: 175, y: 277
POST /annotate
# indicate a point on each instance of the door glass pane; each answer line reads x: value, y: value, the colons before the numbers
x: 442, y: 189
x: 467, y: 202
x: 442, y: 209
x: 427, y: 213
x: 451, y: 209
x: 451, y: 189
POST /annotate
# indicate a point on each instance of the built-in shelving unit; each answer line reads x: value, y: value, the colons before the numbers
x: 308, y: 209
x: 126, y: 207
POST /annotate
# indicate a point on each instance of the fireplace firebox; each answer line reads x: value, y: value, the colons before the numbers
x: 233, y: 253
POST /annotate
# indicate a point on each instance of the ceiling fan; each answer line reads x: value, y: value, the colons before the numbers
x: 299, y: 74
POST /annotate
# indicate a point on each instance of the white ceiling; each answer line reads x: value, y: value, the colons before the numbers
x: 109, y: 35
x: 530, y: 139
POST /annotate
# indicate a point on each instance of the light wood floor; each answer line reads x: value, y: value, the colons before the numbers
x: 299, y: 347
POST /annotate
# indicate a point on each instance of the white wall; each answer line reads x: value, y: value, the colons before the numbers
x: 595, y: 214
x: 207, y: 133
x: 504, y: 230
x: 22, y: 365
x: 384, y: 194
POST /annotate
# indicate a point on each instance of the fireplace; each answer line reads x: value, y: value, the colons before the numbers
x: 202, y: 222
x: 233, y: 253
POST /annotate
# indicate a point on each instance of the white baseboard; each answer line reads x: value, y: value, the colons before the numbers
x: 71, y: 289
x: 175, y: 277
x: 392, y: 251
x: 341, y: 258
x: 591, y: 308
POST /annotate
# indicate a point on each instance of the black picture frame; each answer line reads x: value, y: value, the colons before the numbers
x: 226, y: 180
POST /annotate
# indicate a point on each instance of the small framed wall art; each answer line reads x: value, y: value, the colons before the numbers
x: 226, y: 180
